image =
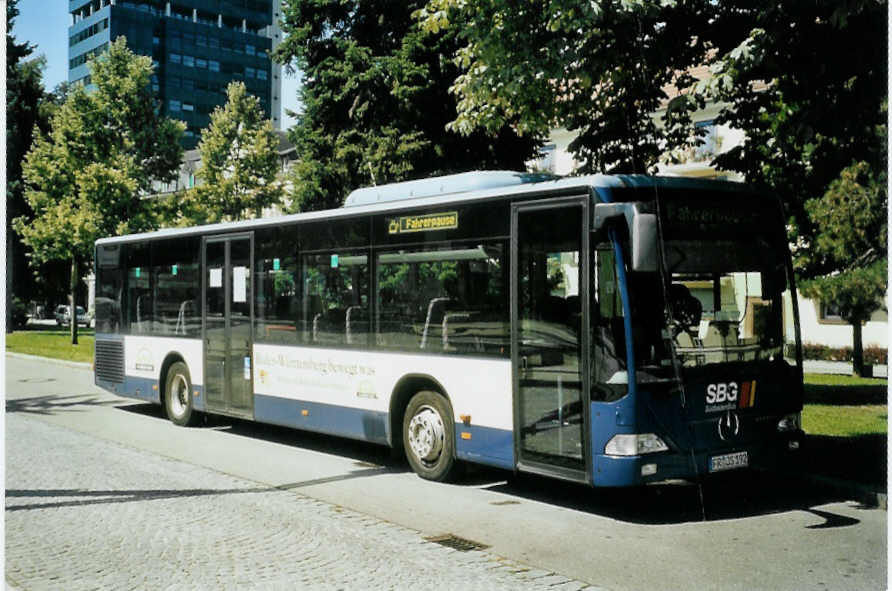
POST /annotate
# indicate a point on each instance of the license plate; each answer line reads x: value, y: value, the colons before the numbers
x: 728, y: 461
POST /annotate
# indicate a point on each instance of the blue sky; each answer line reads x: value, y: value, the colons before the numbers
x: 44, y: 23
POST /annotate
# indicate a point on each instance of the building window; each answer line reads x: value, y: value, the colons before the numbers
x: 214, y: 43
x: 201, y: 40
x: 174, y: 106
x: 262, y: 75
x: 213, y: 66
x: 250, y: 49
x: 545, y: 162
x: 188, y: 107
x: 188, y: 84
x: 156, y: 40
x: 710, y: 142
x: 201, y: 63
x: 188, y: 60
x: 829, y: 313
x: 176, y: 58
x: 250, y: 72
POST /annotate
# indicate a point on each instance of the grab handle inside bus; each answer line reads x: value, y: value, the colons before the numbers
x: 642, y: 232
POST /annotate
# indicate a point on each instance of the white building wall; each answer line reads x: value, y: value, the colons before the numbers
x: 838, y: 334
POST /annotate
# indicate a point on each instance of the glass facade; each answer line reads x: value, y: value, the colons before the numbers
x: 197, y: 46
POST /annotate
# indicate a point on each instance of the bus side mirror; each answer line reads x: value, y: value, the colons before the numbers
x: 642, y: 232
x: 643, y: 235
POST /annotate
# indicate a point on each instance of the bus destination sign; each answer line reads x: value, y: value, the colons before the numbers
x: 423, y: 223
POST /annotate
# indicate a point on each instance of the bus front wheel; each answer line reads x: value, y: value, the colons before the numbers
x: 178, y: 395
x: 429, y: 436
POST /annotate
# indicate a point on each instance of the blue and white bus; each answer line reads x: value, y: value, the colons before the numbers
x: 611, y: 330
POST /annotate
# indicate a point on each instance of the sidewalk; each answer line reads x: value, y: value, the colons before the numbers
x: 840, y: 368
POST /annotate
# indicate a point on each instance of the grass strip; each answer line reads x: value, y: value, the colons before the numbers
x: 55, y: 344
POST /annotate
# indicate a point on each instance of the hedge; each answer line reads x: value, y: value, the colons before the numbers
x: 873, y: 354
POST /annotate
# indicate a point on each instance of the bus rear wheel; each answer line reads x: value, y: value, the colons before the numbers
x: 429, y: 436
x: 178, y: 395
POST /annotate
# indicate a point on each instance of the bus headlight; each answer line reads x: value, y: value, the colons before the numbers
x: 634, y: 444
x: 792, y: 422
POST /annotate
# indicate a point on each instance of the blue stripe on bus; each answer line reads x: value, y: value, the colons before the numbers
x: 133, y: 387
x: 142, y: 389
x: 494, y: 447
x: 355, y: 423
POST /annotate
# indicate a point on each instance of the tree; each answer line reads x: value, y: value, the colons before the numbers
x: 806, y: 82
x: 598, y: 69
x: 239, y: 164
x: 850, y: 219
x: 25, y: 96
x: 86, y: 178
x: 376, y: 102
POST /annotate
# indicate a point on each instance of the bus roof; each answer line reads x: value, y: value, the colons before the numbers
x: 397, y: 196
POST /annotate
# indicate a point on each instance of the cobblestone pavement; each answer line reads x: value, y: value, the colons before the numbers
x: 85, y: 513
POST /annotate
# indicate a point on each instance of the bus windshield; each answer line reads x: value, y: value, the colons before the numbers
x: 725, y: 301
x: 717, y: 301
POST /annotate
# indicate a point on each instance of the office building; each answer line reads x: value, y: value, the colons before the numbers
x: 197, y: 47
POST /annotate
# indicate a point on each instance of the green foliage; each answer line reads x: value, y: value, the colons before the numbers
x: 851, y: 224
x: 25, y: 112
x: 595, y: 68
x: 806, y: 81
x: 873, y: 355
x: 851, y: 218
x: 856, y: 292
x: 19, y: 313
x: 239, y: 164
x: 376, y: 101
x: 85, y: 177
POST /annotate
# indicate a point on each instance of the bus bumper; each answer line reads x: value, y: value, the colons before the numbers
x: 778, y: 454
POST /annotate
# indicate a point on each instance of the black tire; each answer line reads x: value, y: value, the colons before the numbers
x: 429, y: 436
x: 178, y: 395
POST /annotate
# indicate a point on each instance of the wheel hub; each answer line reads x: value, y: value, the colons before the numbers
x: 426, y: 434
x: 178, y: 395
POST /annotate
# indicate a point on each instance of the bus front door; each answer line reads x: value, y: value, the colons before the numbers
x: 548, y: 310
x: 227, y: 325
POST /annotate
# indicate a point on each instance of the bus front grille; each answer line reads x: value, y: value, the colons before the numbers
x: 110, y: 361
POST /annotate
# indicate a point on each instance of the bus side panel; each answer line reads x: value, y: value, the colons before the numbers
x: 143, y: 360
x: 347, y: 393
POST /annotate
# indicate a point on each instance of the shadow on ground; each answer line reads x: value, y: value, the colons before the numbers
x: 52, y: 404
x: 847, y: 395
x: 860, y: 459
x: 727, y: 496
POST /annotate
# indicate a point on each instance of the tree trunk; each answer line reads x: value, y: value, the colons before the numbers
x: 10, y: 269
x: 72, y: 314
x: 857, y: 349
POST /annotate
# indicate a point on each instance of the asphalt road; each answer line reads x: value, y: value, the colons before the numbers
x: 89, y: 474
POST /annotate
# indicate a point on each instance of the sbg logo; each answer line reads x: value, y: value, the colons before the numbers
x: 720, y: 393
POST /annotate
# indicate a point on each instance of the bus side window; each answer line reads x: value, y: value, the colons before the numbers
x: 139, y: 289
x: 608, y: 338
x: 335, y: 310
x: 176, y: 282
x: 109, y: 290
x: 276, y: 295
x: 450, y: 299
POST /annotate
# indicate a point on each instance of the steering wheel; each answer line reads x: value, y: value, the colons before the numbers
x: 686, y: 309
